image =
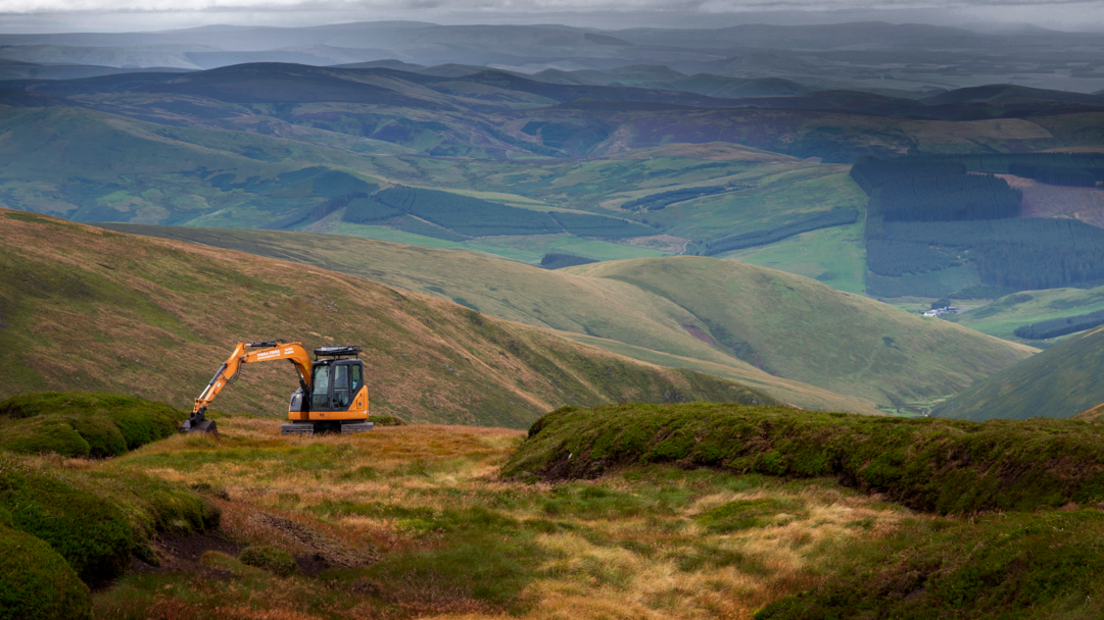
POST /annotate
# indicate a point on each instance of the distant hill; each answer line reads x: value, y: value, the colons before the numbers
x: 19, y: 70
x: 449, y: 110
x: 1060, y: 382
x: 22, y: 99
x: 721, y: 86
x: 732, y: 316
x: 978, y: 94
x: 88, y: 309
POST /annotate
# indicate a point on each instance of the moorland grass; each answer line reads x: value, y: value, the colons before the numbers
x: 36, y: 583
x: 943, y: 466
x: 448, y: 538
x: 1004, y: 565
x: 83, y: 424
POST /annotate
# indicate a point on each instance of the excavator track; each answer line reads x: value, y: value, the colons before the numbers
x: 310, y: 428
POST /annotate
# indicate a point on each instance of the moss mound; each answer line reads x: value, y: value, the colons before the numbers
x: 95, y: 520
x: 1007, y: 566
x: 36, y: 583
x: 945, y: 466
x: 92, y: 535
x: 81, y: 424
x: 151, y: 505
x: 271, y: 559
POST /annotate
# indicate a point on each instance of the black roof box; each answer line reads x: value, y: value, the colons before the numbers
x: 340, y: 351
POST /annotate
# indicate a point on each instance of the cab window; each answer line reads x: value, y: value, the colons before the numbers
x: 320, y: 392
x: 358, y: 382
x: 341, y: 397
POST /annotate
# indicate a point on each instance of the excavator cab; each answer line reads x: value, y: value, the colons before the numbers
x: 337, y: 399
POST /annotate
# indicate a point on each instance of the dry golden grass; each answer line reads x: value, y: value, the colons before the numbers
x: 629, y: 545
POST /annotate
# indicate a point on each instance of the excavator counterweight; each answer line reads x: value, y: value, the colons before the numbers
x: 332, y: 395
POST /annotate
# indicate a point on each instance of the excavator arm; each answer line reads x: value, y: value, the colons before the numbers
x: 246, y: 353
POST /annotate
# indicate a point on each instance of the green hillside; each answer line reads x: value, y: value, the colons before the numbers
x: 804, y: 330
x: 90, y: 166
x: 88, y: 309
x: 1060, y: 382
x: 719, y: 312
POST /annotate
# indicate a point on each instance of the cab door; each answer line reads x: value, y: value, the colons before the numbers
x: 337, y: 386
x: 342, y: 385
x: 321, y: 387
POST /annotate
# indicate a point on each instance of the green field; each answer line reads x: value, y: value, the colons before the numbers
x: 834, y: 256
x: 778, y: 194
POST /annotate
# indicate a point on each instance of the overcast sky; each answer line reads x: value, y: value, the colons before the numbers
x: 132, y: 15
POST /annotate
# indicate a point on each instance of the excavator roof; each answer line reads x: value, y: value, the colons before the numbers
x: 337, y: 351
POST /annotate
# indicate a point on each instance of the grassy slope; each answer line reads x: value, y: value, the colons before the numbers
x: 812, y: 333
x: 1060, y: 382
x: 83, y: 308
x: 519, y: 293
x: 605, y: 306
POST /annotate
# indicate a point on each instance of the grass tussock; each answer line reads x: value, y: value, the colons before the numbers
x: 943, y: 466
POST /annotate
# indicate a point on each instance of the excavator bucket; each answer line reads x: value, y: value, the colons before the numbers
x: 206, y: 426
x: 198, y: 423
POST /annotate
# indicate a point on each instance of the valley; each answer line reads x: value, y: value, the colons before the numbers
x: 640, y: 312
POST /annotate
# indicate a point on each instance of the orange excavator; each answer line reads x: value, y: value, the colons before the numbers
x: 331, y: 395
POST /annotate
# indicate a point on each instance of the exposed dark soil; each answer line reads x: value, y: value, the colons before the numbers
x: 311, y: 565
x: 182, y: 553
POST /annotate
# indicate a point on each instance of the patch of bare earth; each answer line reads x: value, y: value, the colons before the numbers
x: 1053, y: 201
x: 663, y: 243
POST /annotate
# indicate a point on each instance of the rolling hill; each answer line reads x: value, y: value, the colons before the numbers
x: 451, y: 110
x: 1060, y: 382
x: 86, y: 309
x: 728, y: 314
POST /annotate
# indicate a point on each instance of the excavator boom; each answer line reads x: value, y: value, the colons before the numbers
x: 245, y: 353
